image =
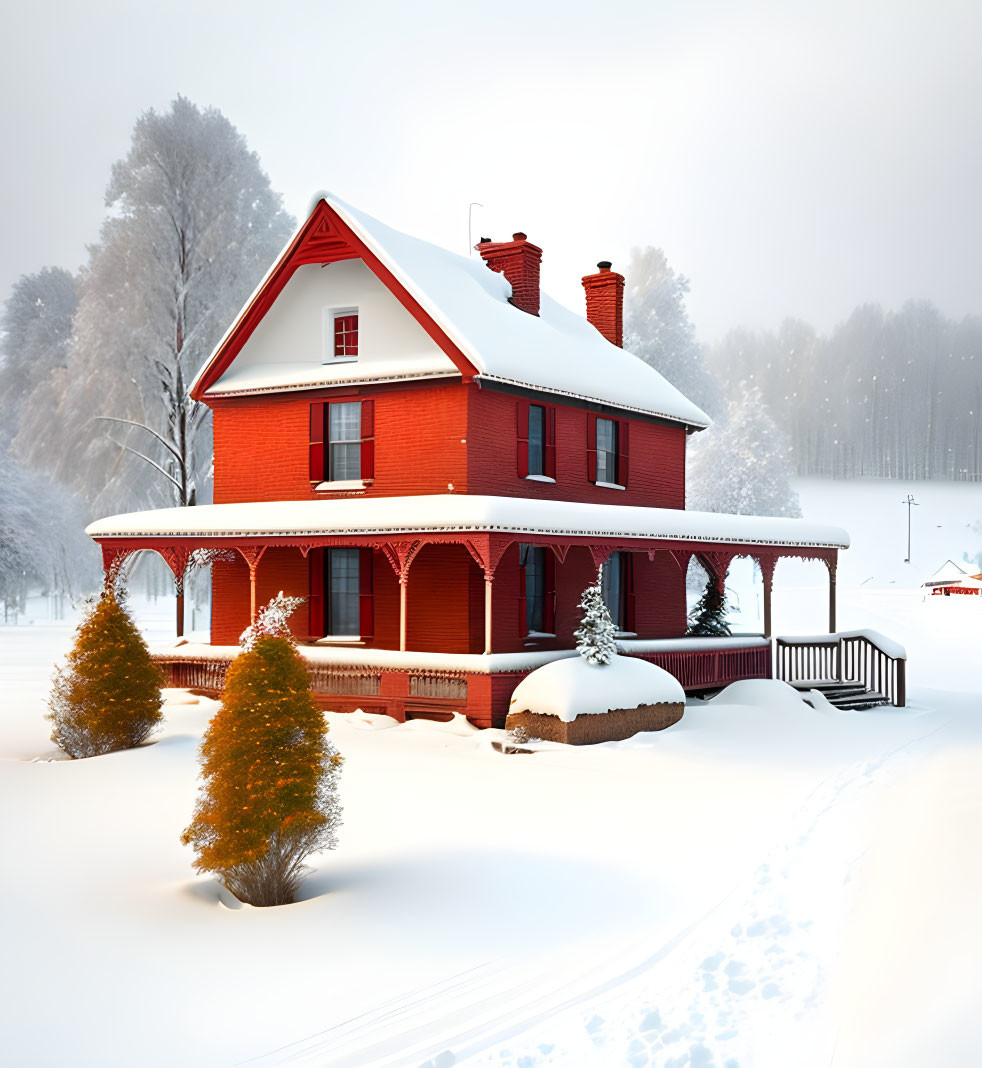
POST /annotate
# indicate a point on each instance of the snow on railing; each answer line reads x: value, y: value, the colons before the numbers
x: 850, y: 656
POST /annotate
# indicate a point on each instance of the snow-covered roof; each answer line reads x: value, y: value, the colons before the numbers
x: 557, y: 351
x: 947, y: 571
x: 465, y: 513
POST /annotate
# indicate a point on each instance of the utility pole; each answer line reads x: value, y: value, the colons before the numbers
x: 909, y: 502
x: 470, y: 237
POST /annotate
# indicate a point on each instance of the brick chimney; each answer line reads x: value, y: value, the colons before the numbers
x: 518, y: 260
x: 605, y: 302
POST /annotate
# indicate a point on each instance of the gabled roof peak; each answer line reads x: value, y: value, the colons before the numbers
x: 466, y: 310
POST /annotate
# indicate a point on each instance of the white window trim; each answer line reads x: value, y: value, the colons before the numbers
x: 340, y: 639
x: 610, y: 485
x: 540, y: 478
x: 327, y: 335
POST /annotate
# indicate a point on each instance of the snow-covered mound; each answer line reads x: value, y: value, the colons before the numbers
x: 570, y: 688
x: 761, y: 693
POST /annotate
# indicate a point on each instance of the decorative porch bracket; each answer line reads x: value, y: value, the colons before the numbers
x: 767, y: 562
x: 401, y: 555
x: 177, y: 559
x: 487, y: 551
x: 113, y: 561
x: 600, y: 555
x: 680, y: 556
x: 717, y: 564
x: 559, y: 551
x: 252, y: 554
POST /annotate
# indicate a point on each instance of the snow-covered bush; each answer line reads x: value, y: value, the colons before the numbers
x: 270, y: 794
x: 106, y: 696
x: 595, y: 634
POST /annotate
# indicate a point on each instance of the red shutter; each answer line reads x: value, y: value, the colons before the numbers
x: 318, y: 421
x: 316, y: 596
x: 366, y: 596
x: 522, y: 610
x: 591, y: 447
x: 630, y: 601
x: 368, y: 439
x: 622, y: 451
x: 549, y: 465
x: 522, y: 409
x: 549, y: 610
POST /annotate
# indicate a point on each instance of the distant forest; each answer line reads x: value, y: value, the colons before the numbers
x: 893, y: 394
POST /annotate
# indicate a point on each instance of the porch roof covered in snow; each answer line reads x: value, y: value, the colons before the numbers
x: 452, y: 517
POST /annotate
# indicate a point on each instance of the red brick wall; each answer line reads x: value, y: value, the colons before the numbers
x: 657, y: 457
x: 438, y: 613
x: 279, y: 569
x: 261, y: 443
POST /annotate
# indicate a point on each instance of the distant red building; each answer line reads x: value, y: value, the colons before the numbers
x: 951, y: 579
x: 439, y: 458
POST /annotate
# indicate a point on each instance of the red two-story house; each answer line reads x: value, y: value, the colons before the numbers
x: 439, y: 458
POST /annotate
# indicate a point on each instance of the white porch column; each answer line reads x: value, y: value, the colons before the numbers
x: 403, y: 588
x: 488, y: 582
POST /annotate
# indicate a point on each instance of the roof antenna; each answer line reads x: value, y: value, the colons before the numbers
x: 470, y: 239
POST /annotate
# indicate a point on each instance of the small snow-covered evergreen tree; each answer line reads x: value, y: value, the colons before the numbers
x: 269, y: 798
x: 742, y: 464
x: 106, y: 696
x: 708, y: 618
x: 595, y: 634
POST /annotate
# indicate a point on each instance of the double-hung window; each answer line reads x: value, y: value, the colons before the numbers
x: 341, y: 598
x: 607, y: 451
x: 611, y: 586
x: 343, y: 592
x: 344, y: 442
x: 537, y: 586
x: 536, y: 441
x: 617, y: 587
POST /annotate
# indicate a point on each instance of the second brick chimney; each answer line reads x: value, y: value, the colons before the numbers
x: 518, y: 260
x: 605, y: 302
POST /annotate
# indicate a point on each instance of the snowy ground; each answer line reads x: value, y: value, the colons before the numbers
x: 761, y: 884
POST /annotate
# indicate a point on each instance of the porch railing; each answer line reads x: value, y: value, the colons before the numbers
x: 711, y: 668
x: 860, y: 656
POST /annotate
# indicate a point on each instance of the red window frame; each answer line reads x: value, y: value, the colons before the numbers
x: 318, y: 441
x: 346, y: 336
x: 549, y: 592
x: 622, y: 460
x: 548, y: 438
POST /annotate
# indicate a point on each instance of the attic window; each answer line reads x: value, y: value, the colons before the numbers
x: 340, y: 335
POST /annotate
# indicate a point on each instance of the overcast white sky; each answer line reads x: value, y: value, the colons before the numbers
x: 791, y: 158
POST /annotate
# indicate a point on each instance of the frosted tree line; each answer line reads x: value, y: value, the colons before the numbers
x: 895, y: 394
x: 742, y: 463
x: 95, y: 368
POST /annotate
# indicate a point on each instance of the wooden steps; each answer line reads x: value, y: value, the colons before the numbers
x: 849, y: 696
